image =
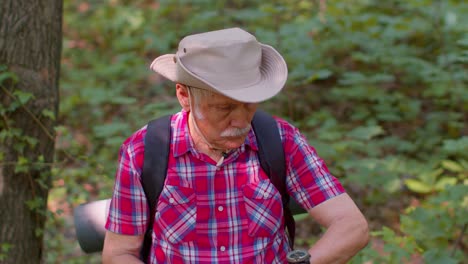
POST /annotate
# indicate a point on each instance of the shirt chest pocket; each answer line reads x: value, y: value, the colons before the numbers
x: 176, y: 217
x: 264, y: 208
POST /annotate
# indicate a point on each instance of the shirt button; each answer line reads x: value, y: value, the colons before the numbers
x: 220, y: 208
x: 222, y: 248
x: 171, y: 200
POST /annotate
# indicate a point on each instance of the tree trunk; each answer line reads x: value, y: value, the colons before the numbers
x: 30, y: 47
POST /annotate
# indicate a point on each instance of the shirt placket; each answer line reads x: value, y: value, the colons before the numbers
x: 221, y: 207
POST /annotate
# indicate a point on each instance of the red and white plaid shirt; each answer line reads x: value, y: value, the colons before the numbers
x: 217, y: 214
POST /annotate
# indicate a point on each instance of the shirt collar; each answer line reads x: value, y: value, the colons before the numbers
x: 182, y: 141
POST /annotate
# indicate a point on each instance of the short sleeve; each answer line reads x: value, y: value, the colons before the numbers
x: 308, y: 179
x: 129, y: 210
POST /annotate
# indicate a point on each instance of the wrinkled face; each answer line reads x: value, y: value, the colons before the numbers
x: 224, y: 122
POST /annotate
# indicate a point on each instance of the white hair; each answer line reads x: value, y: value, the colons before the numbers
x: 198, y: 95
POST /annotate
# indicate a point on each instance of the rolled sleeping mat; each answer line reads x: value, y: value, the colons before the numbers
x: 90, y: 219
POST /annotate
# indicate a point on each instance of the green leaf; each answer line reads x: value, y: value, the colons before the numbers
x: 393, y: 185
x: 300, y: 217
x: 320, y: 75
x: 39, y: 232
x: 366, y: 133
x: 438, y: 256
x: 35, y: 204
x: 123, y: 100
x: 4, y: 249
x: 48, y: 113
x: 452, y: 166
x: 107, y: 130
x: 463, y: 42
x: 5, y: 75
x: 418, y: 186
x: 32, y: 141
x: 23, y: 97
x: 444, y: 182
x: 456, y: 146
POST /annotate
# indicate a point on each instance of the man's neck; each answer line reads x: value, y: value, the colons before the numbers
x: 201, y: 143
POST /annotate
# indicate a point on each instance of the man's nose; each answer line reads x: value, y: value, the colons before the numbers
x: 242, y: 117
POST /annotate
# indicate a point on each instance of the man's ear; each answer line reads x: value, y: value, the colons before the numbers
x: 183, y: 96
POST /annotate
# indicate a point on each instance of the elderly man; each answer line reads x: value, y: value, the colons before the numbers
x: 214, y: 174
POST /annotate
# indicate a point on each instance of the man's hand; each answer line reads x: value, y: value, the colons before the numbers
x: 121, y: 249
x: 347, y: 231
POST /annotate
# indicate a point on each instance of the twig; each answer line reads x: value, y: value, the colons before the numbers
x: 459, y: 239
x: 30, y: 113
x: 5, y: 121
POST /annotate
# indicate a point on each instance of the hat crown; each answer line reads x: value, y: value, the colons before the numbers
x: 215, y: 38
x: 232, y: 54
x: 230, y: 62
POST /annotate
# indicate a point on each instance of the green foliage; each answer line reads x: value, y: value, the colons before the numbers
x: 14, y: 100
x: 4, y: 249
x: 429, y: 232
x: 395, y: 250
x: 378, y: 87
x: 438, y: 221
x: 6, y: 75
x: 449, y: 173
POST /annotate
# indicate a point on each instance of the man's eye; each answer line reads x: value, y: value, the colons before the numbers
x: 224, y: 107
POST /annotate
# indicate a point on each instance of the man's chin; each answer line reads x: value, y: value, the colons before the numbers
x: 233, y: 142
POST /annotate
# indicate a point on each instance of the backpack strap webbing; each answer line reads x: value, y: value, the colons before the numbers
x: 157, y: 143
x: 272, y: 160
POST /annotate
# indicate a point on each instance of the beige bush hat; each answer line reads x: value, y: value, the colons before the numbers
x: 229, y: 61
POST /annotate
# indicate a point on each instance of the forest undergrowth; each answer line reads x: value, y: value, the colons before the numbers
x: 379, y: 88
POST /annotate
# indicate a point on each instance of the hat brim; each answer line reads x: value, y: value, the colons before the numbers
x: 273, y: 71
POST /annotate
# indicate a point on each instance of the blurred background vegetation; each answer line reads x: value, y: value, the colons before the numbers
x: 378, y: 87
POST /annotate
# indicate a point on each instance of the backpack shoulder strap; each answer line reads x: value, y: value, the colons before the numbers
x: 270, y: 149
x: 157, y: 144
x: 272, y: 161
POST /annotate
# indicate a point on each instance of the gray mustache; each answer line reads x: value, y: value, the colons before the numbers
x: 235, y: 132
